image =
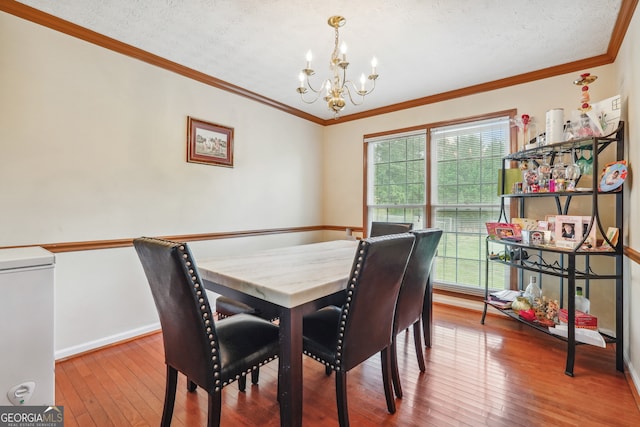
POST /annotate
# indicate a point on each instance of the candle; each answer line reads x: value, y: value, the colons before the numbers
x: 362, y: 80
x: 374, y: 63
x: 309, y: 57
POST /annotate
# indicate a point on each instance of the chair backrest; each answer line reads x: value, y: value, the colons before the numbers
x: 188, y: 329
x: 367, y: 315
x: 385, y: 228
x: 414, y: 284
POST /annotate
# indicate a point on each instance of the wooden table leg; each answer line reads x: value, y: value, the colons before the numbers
x: 290, y: 373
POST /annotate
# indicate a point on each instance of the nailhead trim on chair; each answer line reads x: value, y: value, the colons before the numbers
x: 207, y: 319
x: 335, y: 365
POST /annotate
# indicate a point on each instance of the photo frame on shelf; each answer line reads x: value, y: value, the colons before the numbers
x: 504, y: 231
x: 550, y: 221
x: 568, y: 230
x: 613, y: 176
x: 612, y: 235
x: 209, y: 143
x: 526, y: 223
x: 590, y: 241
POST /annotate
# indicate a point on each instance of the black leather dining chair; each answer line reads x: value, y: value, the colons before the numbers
x: 383, y: 228
x: 211, y: 354
x: 409, y: 307
x: 343, y: 337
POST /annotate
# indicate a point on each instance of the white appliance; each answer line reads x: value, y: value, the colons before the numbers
x: 27, y: 359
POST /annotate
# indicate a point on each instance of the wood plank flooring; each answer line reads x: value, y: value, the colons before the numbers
x: 499, y: 374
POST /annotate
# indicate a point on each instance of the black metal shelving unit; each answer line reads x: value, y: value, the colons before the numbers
x: 565, y: 267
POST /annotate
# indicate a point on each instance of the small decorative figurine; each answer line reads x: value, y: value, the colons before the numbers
x: 585, y: 80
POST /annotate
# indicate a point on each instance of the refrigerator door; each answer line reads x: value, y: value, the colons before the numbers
x: 26, y: 327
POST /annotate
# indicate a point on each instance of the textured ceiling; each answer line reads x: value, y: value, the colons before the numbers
x: 423, y: 47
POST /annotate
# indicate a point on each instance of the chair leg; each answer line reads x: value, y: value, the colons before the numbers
x: 395, y: 374
x: 327, y: 370
x: 169, y: 396
x: 242, y: 383
x: 191, y: 386
x: 255, y: 375
x: 386, y: 380
x: 417, y: 339
x: 341, y: 398
x: 215, y: 406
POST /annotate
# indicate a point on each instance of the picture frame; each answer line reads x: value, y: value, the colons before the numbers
x: 525, y: 223
x: 209, y: 143
x: 612, y: 235
x: 551, y: 227
x: 590, y: 242
x: 568, y: 230
x: 504, y: 231
x: 613, y: 176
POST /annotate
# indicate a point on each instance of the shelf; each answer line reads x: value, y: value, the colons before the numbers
x: 507, y: 311
x: 564, y: 147
x: 551, y: 194
x: 562, y: 262
x: 553, y: 248
x: 555, y: 269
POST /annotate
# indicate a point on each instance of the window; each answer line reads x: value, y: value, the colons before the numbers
x: 397, y: 178
x: 465, y: 160
x: 443, y: 176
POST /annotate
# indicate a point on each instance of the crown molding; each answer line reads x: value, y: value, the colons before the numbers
x: 20, y: 10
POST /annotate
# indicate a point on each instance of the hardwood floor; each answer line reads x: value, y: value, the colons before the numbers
x: 499, y: 374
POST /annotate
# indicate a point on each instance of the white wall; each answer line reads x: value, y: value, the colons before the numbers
x: 93, y: 146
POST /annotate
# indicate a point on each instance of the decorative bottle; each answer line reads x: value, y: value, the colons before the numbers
x: 533, y: 291
x: 582, y: 303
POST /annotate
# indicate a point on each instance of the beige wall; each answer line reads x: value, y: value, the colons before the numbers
x: 343, y: 170
x: 93, y: 146
x: 343, y: 146
x: 627, y: 67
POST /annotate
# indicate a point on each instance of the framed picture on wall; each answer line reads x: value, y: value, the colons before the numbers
x: 209, y: 143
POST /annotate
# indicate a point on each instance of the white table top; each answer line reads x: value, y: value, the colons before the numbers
x: 288, y: 276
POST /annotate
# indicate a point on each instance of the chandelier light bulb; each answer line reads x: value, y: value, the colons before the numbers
x: 362, y: 80
x: 309, y: 58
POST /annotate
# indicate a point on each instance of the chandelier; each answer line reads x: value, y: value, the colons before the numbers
x: 336, y: 86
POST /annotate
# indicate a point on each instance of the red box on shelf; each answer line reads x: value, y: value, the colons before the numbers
x: 583, y: 320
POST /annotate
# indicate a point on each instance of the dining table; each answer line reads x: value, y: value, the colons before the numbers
x: 287, y: 283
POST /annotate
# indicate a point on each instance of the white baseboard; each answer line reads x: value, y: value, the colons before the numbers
x: 103, y: 342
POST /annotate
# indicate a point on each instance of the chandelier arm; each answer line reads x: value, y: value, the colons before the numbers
x: 346, y: 89
x: 316, y: 95
x: 324, y: 82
